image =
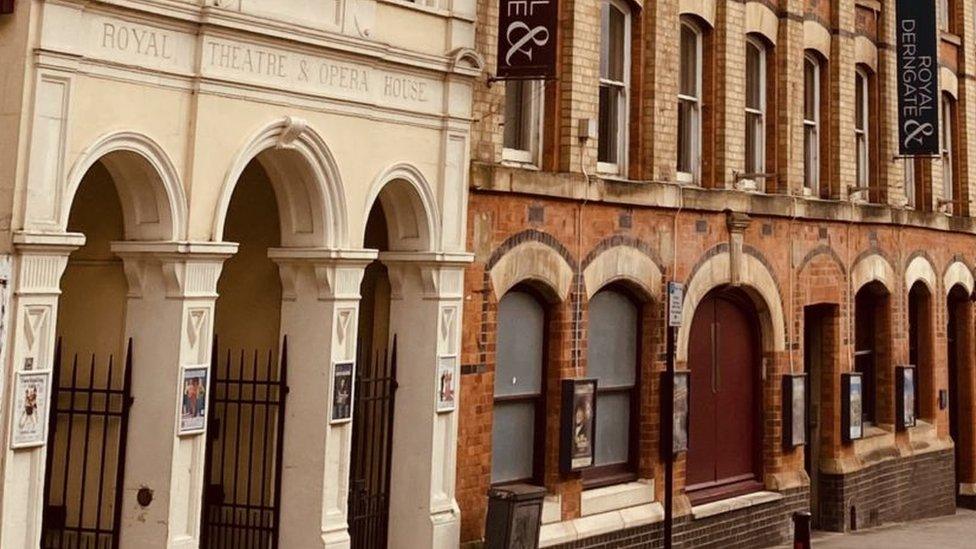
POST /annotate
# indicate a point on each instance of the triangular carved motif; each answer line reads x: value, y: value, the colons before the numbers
x: 33, y: 320
x: 194, y: 326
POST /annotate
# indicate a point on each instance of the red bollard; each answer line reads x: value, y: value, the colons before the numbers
x: 801, y: 530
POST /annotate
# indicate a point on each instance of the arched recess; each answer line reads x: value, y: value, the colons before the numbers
x: 872, y: 268
x: 306, y: 183
x: 409, y: 207
x: 958, y: 274
x: 626, y: 265
x: 921, y: 268
x: 532, y: 262
x: 755, y: 279
x: 761, y: 20
x: 146, y: 181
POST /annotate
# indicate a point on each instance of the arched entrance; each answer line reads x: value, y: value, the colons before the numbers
x: 91, y: 378
x: 397, y: 227
x: 921, y: 349
x: 725, y: 428
x: 375, y: 399
x: 959, y: 340
x: 872, y: 353
x: 241, y: 500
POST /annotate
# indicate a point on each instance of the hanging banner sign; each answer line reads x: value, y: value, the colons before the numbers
x: 918, y: 78
x: 527, y: 39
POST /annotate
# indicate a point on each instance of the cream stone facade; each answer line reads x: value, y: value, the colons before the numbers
x: 177, y: 171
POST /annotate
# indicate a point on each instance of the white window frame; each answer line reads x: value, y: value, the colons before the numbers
x: 944, y: 19
x: 695, y: 104
x: 862, y: 131
x: 948, y: 173
x: 623, y: 96
x: 531, y: 156
x: 811, y: 155
x: 757, y: 164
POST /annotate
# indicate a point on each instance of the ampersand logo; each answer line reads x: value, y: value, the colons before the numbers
x: 521, y: 37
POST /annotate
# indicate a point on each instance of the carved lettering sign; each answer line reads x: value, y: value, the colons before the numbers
x: 918, y: 78
x: 317, y: 75
x: 527, y: 32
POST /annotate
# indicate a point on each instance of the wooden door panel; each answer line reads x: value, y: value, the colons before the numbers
x: 736, y: 397
x: 701, y: 424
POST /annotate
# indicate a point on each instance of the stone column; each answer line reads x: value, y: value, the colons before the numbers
x: 37, y: 266
x: 169, y: 317
x: 319, y: 315
x: 425, y: 315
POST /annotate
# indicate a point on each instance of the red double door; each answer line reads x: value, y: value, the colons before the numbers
x: 724, y: 426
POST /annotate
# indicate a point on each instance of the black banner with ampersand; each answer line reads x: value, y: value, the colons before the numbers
x: 527, y: 39
x: 918, y: 78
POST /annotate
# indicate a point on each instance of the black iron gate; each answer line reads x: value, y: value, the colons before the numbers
x: 242, y: 486
x: 86, y: 453
x: 372, y: 450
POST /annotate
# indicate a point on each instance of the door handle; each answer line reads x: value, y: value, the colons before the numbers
x: 715, y: 368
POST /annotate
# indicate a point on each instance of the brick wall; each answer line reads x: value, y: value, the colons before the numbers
x: 812, y: 249
x: 895, y: 490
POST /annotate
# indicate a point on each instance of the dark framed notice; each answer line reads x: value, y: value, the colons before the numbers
x: 794, y: 410
x: 852, y: 406
x: 918, y: 77
x: 577, y: 425
x: 682, y: 405
x: 342, y: 389
x: 527, y: 39
x: 905, y: 396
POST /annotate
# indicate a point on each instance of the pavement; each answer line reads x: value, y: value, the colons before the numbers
x: 952, y: 532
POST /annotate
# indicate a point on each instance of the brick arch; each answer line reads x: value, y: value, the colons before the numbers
x: 826, y: 251
x: 527, y: 236
x: 958, y: 274
x: 756, y: 278
x: 627, y: 264
x: 920, y: 268
x: 534, y: 262
x: 821, y: 278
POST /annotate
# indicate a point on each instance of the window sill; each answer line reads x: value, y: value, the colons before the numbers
x: 616, y: 497
x: 568, y: 531
x: 511, y: 161
x: 706, y: 510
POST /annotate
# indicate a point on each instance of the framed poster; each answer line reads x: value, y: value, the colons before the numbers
x: 682, y: 404
x: 446, y: 389
x: 852, y: 406
x: 905, y: 396
x: 577, y: 425
x: 342, y: 389
x: 193, y: 396
x: 794, y: 410
x: 32, y: 400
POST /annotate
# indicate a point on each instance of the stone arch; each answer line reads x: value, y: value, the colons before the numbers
x: 148, y: 184
x: 755, y: 279
x: 816, y: 37
x: 532, y: 262
x: 410, y: 208
x: 762, y: 21
x: 866, y: 53
x: 306, y: 183
x: 949, y: 82
x: 624, y: 264
x: 920, y: 268
x: 872, y: 268
x: 958, y: 274
x: 702, y: 9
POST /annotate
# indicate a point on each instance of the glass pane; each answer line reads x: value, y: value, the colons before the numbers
x: 512, y: 441
x: 689, y: 62
x: 611, y: 354
x: 754, y: 76
x: 687, y: 137
x: 862, y: 161
x: 521, y: 325
x: 609, y: 124
x: 810, y: 156
x: 754, y: 143
x: 860, y: 99
x: 810, y: 85
x: 612, y: 428
x: 614, y: 32
x: 515, y: 114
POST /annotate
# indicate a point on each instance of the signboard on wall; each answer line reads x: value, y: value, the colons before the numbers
x: 918, y: 78
x: 577, y: 425
x: 527, y: 32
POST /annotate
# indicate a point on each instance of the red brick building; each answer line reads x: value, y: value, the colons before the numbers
x: 746, y: 149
